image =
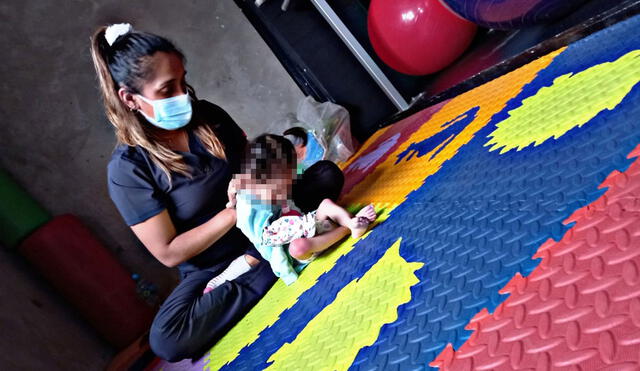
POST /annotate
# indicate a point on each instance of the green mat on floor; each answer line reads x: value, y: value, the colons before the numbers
x: 19, y: 213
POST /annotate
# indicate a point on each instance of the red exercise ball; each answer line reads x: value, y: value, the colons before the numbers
x: 417, y: 37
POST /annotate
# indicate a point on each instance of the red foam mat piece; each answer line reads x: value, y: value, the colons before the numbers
x: 69, y: 256
x: 580, y: 308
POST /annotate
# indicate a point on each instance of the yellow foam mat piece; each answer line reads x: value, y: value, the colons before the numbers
x: 545, y: 115
x: 342, y: 328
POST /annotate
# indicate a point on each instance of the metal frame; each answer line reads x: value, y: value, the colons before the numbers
x: 363, y: 57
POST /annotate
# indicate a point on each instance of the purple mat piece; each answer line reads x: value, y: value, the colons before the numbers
x: 184, y: 365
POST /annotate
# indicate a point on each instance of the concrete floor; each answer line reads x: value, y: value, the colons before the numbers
x: 56, y: 141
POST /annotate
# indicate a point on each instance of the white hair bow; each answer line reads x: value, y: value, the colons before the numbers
x: 116, y: 30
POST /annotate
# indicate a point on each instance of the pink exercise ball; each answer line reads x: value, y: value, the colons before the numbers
x: 417, y: 37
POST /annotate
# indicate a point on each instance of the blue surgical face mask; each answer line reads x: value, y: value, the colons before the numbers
x: 170, y: 113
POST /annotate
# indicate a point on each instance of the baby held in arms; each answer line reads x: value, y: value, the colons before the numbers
x: 261, y: 194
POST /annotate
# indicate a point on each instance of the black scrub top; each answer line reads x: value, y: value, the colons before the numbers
x: 141, y: 190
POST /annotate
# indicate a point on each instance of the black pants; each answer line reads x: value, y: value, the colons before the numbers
x: 189, y: 323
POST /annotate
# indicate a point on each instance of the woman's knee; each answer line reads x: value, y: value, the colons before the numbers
x: 167, y: 346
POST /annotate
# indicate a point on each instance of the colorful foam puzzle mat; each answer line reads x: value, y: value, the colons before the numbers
x: 508, y: 235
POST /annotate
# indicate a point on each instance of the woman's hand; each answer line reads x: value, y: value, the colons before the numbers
x: 231, y: 193
x: 159, y: 236
x: 238, y: 182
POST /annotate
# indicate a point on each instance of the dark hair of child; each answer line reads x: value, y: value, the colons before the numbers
x: 324, y: 179
x: 267, y: 155
x: 299, y: 135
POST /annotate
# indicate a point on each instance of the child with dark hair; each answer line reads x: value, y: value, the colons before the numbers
x: 262, y: 194
x: 308, y: 148
x: 324, y: 179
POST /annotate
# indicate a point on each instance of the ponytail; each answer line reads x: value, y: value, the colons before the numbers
x: 117, y: 112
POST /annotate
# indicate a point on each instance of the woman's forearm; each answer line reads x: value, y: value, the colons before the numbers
x: 159, y: 236
x: 194, y: 241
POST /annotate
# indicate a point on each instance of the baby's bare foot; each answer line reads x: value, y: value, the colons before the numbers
x: 360, y: 223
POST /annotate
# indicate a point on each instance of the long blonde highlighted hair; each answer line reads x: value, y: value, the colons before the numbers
x: 125, y: 63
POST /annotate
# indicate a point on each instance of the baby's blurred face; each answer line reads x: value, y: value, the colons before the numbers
x: 282, y: 183
x: 277, y: 188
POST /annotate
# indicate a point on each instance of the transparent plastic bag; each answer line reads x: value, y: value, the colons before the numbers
x: 330, y: 124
